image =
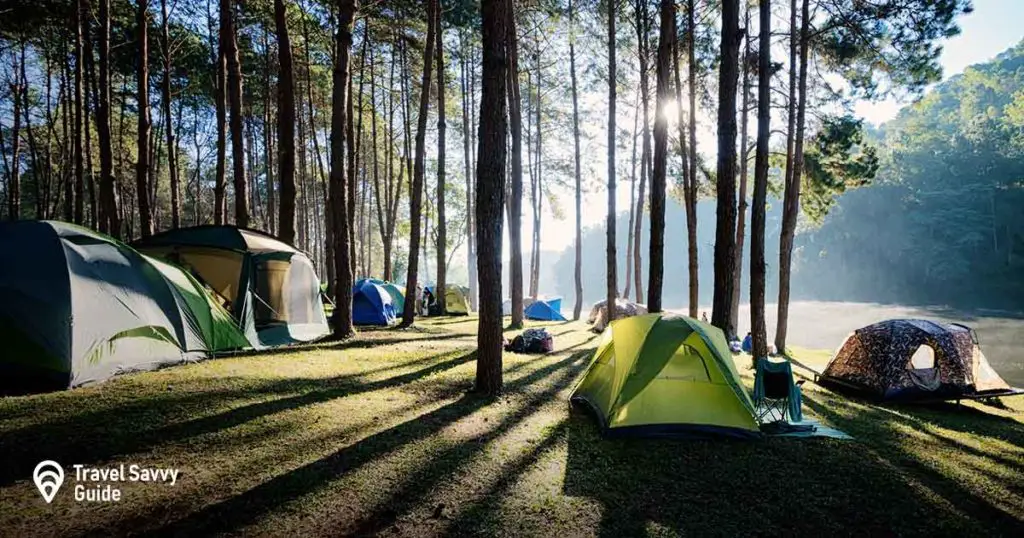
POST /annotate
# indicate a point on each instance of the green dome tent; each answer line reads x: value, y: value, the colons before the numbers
x: 396, y: 292
x: 269, y: 287
x: 77, y: 307
x: 655, y: 375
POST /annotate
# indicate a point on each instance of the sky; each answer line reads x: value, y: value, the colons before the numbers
x: 993, y: 27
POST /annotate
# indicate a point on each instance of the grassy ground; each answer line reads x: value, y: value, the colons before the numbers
x: 378, y: 435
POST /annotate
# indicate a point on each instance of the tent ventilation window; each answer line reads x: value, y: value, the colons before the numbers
x: 922, y: 359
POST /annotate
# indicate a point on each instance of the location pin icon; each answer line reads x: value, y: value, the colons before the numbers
x: 48, y: 477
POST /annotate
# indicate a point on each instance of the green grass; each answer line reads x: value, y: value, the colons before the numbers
x: 379, y: 435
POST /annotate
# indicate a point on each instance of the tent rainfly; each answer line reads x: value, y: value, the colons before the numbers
x: 268, y: 286
x: 371, y: 304
x: 666, y: 375
x: 913, y: 359
x: 78, y: 307
x: 545, y: 310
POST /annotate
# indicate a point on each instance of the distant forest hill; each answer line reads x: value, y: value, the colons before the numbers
x: 942, y: 222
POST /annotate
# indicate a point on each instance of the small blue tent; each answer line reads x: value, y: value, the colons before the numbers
x: 545, y: 310
x: 371, y: 304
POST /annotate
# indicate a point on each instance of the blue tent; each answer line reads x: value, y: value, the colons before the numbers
x: 545, y: 310
x: 371, y: 304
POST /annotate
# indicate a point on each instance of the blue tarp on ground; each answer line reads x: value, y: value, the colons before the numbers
x: 545, y: 310
x: 371, y: 304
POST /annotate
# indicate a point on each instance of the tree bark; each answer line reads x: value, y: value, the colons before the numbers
x: 172, y: 150
x: 145, y: 124
x: 690, y: 187
x: 515, y: 203
x: 110, y: 220
x: 14, y: 188
x: 741, y: 218
x: 725, y: 185
x: 578, y: 269
x: 538, y: 197
x: 342, y: 319
x: 79, y: 204
x: 757, y: 219
x: 632, y: 203
x: 644, y: 47
x: 611, y: 259
x: 269, y: 134
x: 229, y: 44
x: 442, y: 228
x: 657, y: 247
x: 416, y: 194
x: 359, y: 153
x: 89, y: 98
x: 220, y: 174
x: 285, y: 126
x: 791, y: 206
x: 353, y: 149
x: 490, y: 193
x: 467, y: 150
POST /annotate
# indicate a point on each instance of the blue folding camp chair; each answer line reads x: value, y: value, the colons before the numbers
x: 775, y: 393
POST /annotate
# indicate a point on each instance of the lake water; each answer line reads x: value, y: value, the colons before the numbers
x: 824, y: 325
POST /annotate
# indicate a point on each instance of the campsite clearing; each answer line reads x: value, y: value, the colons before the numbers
x: 378, y: 434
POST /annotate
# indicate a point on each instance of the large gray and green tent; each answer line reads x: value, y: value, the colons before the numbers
x: 270, y: 287
x: 77, y: 307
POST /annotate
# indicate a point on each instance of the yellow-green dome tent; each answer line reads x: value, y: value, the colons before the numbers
x: 670, y: 375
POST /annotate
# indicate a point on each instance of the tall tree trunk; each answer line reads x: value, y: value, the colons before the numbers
x: 442, y: 227
x: 353, y: 151
x: 788, y: 218
x: 29, y: 133
x: 611, y: 259
x: 220, y: 98
x: 79, y: 139
x: 666, y: 38
x: 490, y: 192
x: 644, y: 47
x: 342, y: 319
x: 632, y: 202
x: 690, y: 199
x: 172, y: 150
x: 229, y: 44
x: 725, y: 186
x: 578, y: 269
x: 67, y: 201
x: 358, y: 154
x: 741, y: 218
x: 376, y: 171
x: 468, y: 162
x: 757, y: 219
x: 539, y: 197
x: 14, y: 188
x: 269, y: 135
x: 145, y: 124
x: 791, y: 206
x: 110, y: 221
x: 328, y: 211
x: 515, y: 203
x: 416, y: 194
x: 90, y: 96
x: 285, y: 126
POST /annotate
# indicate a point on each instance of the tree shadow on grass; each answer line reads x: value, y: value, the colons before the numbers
x: 351, y: 343
x: 236, y: 512
x: 121, y: 430
x: 774, y: 486
x: 886, y: 429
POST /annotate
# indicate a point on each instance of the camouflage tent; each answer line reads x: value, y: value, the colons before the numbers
x: 623, y: 309
x: 908, y: 359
